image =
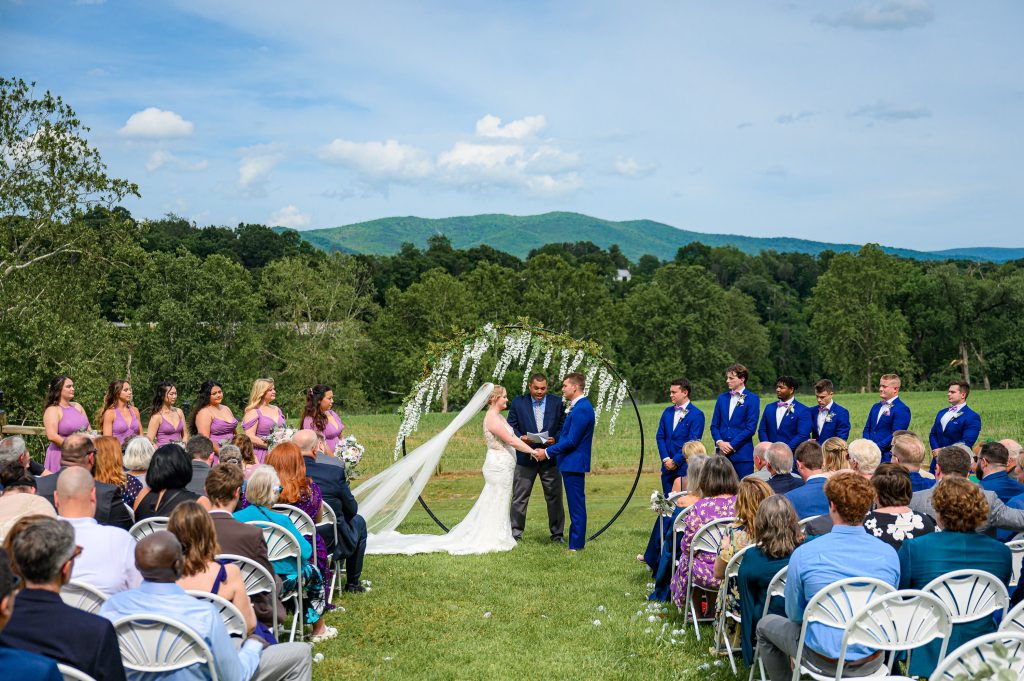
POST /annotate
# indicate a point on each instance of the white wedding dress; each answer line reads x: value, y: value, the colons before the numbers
x: 387, y: 497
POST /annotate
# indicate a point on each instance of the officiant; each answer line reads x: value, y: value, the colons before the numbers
x: 537, y: 413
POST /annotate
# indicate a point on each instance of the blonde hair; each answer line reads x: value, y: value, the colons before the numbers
x: 259, y: 389
x: 749, y: 495
x: 834, y: 449
x: 694, y: 447
x: 891, y: 378
x: 498, y: 391
x: 262, y: 488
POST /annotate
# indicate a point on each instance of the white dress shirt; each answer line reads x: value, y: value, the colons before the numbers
x: 679, y: 414
x: 107, y: 561
x: 882, y: 410
x: 948, y: 416
x: 733, y: 401
x: 780, y: 411
x: 823, y: 414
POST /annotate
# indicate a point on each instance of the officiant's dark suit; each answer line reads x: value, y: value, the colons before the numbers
x: 522, y: 416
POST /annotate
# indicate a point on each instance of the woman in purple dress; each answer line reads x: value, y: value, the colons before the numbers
x: 166, y: 422
x: 118, y: 417
x: 260, y: 417
x: 61, y: 417
x: 318, y: 415
x: 211, y: 417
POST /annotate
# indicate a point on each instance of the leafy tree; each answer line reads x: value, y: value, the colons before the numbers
x: 570, y: 299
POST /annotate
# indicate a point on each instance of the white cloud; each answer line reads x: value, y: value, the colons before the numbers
x: 255, y: 166
x: 887, y: 15
x: 154, y: 123
x: 97, y: 73
x: 630, y: 167
x: 382, y: 160
x: 882, y: 111
x: 289, y: 216
x: 490, y: 126
x: 161, y: 157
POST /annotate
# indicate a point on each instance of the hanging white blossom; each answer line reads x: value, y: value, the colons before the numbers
x: 547, y: 359
x: 528, y: 369
x: 465, y: 358
x: 575, y: 362
x: 620, y: 397
x: 589, y: 379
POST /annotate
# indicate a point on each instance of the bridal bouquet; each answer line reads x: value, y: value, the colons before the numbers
x: 351, y: 453
x: 659, y: 504
x: 279, y: 435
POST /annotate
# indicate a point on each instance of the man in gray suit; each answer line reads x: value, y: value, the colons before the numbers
x: 200, y: 450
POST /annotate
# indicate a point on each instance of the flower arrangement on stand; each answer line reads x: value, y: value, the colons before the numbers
x: 350, y: 452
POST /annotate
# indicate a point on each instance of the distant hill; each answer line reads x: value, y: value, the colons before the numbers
x: 519, y: 234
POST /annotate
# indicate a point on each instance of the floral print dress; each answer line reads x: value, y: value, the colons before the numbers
x: 894, y: 528
x: 702, y: 513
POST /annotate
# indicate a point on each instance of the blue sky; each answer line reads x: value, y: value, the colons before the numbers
x: 896, y: 121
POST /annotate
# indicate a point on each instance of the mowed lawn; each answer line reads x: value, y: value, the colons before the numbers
x: 539, y: 612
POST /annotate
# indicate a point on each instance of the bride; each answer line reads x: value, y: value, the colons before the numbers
x: 387, y: 497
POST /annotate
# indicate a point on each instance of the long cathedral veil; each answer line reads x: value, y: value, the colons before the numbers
x: 386, y: 498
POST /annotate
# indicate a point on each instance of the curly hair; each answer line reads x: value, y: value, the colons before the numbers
x: 852, y: 495
x: 314, y: 396
x: 749, y: 495
x: 193, y: 527
x: 960, y: 505
x: 776, y: 528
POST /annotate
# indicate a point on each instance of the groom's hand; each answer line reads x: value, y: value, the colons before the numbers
x: 540, y: 454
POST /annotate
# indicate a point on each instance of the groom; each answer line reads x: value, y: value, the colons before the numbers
x: 572, y: 455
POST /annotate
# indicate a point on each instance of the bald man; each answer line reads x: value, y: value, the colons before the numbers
x: 159, y: 559
x: 107, y: 561
x: 78, y: 451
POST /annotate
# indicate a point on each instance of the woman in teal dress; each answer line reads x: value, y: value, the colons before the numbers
x: 960, y: 509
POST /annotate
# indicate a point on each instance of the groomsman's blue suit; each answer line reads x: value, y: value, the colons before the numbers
x: 572, y: 454
x: 880, y: 430
x: 964, y: 428
x: 839, y: 426
x: 795, y: 427
x: 739, y: 430
x: 671, y: 440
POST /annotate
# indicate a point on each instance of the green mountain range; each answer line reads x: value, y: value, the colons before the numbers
x: 519, y: 234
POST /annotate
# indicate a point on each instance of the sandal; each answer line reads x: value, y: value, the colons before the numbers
x: 329, y: 633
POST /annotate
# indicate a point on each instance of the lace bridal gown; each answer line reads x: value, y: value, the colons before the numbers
x: 485, y: 529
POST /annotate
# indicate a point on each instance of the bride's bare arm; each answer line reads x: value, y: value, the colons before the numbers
x: 496, y: 425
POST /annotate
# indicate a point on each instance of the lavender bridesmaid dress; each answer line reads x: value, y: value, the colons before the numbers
x: 167, y: 432
x: 72, y: 421
x: 330, y: 432
x: 222, y: 431
x: 123, y: 430
x: 264, y: 427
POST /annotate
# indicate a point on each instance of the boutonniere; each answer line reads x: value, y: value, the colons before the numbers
x: 956, y: 415
x: 886, y: 408
x: 790, y: 409
x: 740, y: 399
x: 828, y: 417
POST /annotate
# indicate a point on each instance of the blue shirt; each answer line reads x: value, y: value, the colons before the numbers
x: 24, y: 665
x: 918, y: 482
x: 1003, y: 485
x: 285, y: 568
x: 170, y: 600
x: 809, y: 499
x: 846, y: 551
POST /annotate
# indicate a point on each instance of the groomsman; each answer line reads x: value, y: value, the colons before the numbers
x: 734, y: 421
x: 679, y: 424
x: 537, y: 412
x: 887, y: 416
x: 830, y: 419
x: 787, y: 420
x: 957, y: 423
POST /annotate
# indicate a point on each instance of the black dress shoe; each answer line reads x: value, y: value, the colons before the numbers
x: 558, y: 540
x: 355, y: 588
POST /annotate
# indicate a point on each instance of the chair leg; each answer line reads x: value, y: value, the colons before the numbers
x: 693, y: 611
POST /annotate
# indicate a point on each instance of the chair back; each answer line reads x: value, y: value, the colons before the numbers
x: 281, y: 544
x: 969, y: 594
x: 146, y: 527
x: 836, y: 604
x: 1013, y: 620
x: 303, y: 523
x: 808, y: 519
x: 1017, y: 556
x: 131, y: 511
x: 232, y: 617
x: 709, y: 536
x: 83, y: 596
x: 69, y: 673
x: 976, y: 659
x: 678, y: 525
x: 257, y: 579
x: 158, y: 644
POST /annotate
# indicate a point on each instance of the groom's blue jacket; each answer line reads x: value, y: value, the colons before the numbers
x: 572, y: 451
x: 520, y: 417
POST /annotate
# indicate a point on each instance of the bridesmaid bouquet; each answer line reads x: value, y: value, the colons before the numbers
x: 660, y: 504
x: 279, y: 435
x: 351, y: 453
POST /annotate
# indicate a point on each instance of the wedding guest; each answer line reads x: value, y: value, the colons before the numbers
x: 78, y: 450
x: 991, y: 471
x: 319, y: 417
x: 718, y: 485
x: 169, y: 474
x: 787, y: 420
x: 1016, y: 454
x: 734, y: 421
x: 19, y: 498
x: 137, y: 455
x: 118, y: 417
x: 19, y: 664
x: 166, y: 422
x: 886, y: 416
x: 864, y: 457
x: 200, y: 451
x: 908, y: 451
x: 260, y: 417
x: 249, y: 462
x: 775, y: 535
x: 809, y: 499
x: 780, y: 465
x: 836, y: 455
x: 44, y: 553
x: 680, y: 423
x: 761, y: 471
x: 211, y: 417
x: 960, y: 510
x: 956, y: 423
x: 13, y: 449
x: 231, y: 454
x: 692, y: 449
x: 892, y: 520
x: 107, y: 560
x: 61, y: 417
x: 192, y: 525
x: 109, y: 468
x: 830, y: 419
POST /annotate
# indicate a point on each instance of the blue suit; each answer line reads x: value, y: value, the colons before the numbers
x: 795, y: 427
x: 838, y: 426
x: 809, y: 499
x: 739, y: 430
x: 880, y: 430
x: 671, y: 440
x: 572, y: 454
x: 964, y: 428
x: 522, y: 420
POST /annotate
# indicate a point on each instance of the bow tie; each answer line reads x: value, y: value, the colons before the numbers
x: 954, y: 409
x: 736, y: 393
x: 823, y: 410
x: 782, y: 404
x: 679, y: 408
x: 884, y: 403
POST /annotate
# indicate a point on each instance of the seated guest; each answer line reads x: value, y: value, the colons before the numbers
x: 836, y: 455
x: 160, y: 559
x: 892, y: 521
x: 908, y: 450
x: 138, y: 452
x: 1015, y: 463
x: 780, y: 465
x: 261, y: 492
x: 960, y: 510
x: 107, y: 561
x: 169, y: 473
x: 230, y: 454
x: 775, y: 534
x: 19, y: 664
x: 78, y: 450
x: 200, y: 451
x: 249, y: 461
x: 690, y: 450
x: 43, y: 553
x: 761, y: 471
x: 109, y: 468
x: 809, y: 500
x: 718, y: 486
x: 13, y: 448
x: 991, y: 471
x: 19, y: 498
x: 658, y: 554
x: 191, y: 524
x: 864, y: 457
x: 324, y: 455
x: 847, y: 551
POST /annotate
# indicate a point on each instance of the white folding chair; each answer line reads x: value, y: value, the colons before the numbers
x: 776, y: 589
x: 328, y: 518
x: 131, y: 512
x: 233, y: 619
x: 257, y: 579
x: 895, y: 622
x: 303, y: 523
x: 1017, y: 548
x: 708, y: 538
x: 83, y: 596
x: 71, y: 674
x: 146, y: 527
x: 677, y: 526
x: 158, y: 644
x: 281, y: 545
x: 1014, y: 620
x: 834, y: 606
x: 969, y: 595
x: 973, y: 659
x: 732, y: 570
x: 805, y: 521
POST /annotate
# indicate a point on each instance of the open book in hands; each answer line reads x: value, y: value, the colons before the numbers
x: 537, y: 438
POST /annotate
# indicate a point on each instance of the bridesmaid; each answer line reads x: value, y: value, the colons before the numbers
x: 318, y: 415
x: 211, y: 417
x: 118, y: 417
x: 61, y: 417
x: 261, y: 417
x: 166, y: 422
